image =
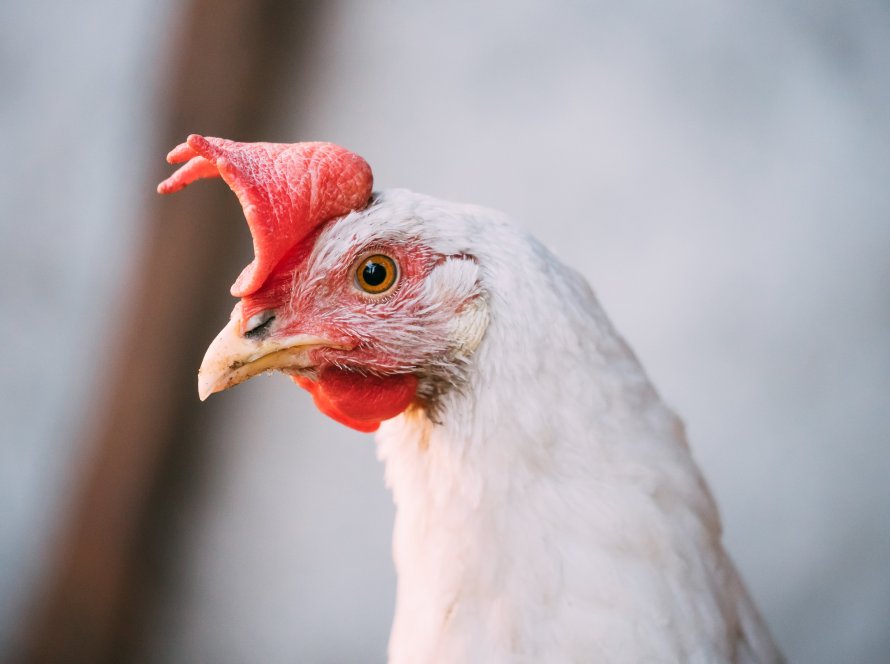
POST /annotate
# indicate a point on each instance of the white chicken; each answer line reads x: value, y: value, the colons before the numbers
x: 548, y: 507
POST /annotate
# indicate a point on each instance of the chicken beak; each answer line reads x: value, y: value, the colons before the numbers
x: 233, y: 358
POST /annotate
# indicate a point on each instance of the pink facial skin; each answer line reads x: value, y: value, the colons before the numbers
x: 362, y: 382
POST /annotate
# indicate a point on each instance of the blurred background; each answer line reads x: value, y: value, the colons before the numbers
x: 719, y: 172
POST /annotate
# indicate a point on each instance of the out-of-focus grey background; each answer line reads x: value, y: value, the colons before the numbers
x: 719, y: 172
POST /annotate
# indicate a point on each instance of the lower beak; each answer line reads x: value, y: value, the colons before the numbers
x: 233, y: 358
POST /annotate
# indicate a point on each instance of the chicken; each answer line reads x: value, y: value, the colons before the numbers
x: 548, y: 507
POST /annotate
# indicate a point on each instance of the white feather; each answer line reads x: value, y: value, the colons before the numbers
x: 552, y: 512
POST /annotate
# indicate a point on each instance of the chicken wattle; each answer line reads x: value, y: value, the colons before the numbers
x: 548, y: 508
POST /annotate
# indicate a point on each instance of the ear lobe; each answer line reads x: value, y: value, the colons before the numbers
x: 468, y: 327
x: 456, y: 281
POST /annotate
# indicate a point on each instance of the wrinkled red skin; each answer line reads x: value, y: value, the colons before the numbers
x: 285, y: 189
x: 277, y: 288
x: 357, y: 401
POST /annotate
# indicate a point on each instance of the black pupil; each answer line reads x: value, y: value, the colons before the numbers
x: 373, y: 273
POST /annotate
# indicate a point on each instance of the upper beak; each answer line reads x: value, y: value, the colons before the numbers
x: 233, y: 358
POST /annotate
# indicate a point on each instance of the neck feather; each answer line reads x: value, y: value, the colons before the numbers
x: 549, y: 486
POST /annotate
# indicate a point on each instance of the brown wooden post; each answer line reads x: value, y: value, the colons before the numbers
x: 227, y: 72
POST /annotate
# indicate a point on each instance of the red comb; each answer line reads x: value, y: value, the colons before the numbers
x: 285, y: 189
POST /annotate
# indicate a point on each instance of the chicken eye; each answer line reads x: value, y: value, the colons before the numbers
x: 376, y: 274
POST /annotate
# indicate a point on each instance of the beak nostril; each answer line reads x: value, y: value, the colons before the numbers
x: 259, y: 324
x: 233, y: 358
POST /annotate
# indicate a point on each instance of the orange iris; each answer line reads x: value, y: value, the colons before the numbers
x: 376, y: 274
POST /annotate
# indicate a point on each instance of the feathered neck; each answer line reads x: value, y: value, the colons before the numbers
x: 555, y: 506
